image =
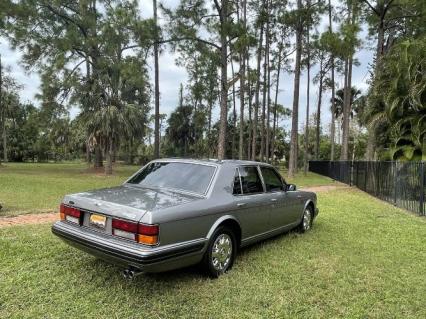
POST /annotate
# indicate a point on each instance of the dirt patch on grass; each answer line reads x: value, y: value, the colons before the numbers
x: 51, y: 217
x: 29, y: 219
x: 324, y: 188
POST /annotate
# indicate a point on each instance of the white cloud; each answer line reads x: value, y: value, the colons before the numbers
x: 29, y: 81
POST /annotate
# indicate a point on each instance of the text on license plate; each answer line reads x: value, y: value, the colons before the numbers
x: 98, y: 220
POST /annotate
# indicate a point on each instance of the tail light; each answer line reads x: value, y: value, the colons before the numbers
x: 142, y: 233
x: 148, y: 234
x: 124, y: 229
x: 70, y: 214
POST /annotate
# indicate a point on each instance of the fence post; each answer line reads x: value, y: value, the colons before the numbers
x: 395, y: 181
x: 356, y: 176
x: 422, y: 188
x: 365, y: 176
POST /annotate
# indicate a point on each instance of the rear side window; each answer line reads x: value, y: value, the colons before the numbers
x: 271, y: 179
x: 250, y: 180
x: 237, y: 184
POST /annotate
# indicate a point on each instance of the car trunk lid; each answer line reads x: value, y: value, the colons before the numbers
x: 126, y: 202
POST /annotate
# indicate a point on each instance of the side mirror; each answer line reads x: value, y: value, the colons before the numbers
x: 291, y: 187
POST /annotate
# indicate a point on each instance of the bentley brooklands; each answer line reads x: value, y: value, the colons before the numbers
x: 177, y: 212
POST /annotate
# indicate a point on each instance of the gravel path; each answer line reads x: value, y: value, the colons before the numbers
x: 51, y: 217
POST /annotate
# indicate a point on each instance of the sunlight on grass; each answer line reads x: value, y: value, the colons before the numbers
x: 30, y: 188
x: 363, y: 259
x: 311, y: 179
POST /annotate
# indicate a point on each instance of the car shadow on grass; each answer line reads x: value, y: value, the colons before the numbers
x: 146, y: 282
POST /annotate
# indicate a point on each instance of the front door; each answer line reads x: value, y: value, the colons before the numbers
x: 281, y: 209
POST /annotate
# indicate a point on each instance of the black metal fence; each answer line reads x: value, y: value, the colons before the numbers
x: 400, y: 183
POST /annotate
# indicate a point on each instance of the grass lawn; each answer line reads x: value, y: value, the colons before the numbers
x: 363, y: 259
x: 32, y: 188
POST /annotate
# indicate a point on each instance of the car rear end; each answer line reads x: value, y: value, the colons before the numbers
x: 115, y: 239
x: 114, y: 232
x: 118, y: 224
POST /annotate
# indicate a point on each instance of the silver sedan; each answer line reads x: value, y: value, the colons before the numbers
x: 174, y: 213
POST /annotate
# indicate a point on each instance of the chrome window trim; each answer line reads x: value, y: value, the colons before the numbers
x: 233, y: 182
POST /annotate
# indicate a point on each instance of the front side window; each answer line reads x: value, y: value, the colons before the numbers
x: 250, y: 180
x: 189, y: 177
x: 271, y: 179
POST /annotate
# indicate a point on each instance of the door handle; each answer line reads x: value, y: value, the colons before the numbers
x: 241, y: 204
x: 299, y: 196
x: 273, y: 199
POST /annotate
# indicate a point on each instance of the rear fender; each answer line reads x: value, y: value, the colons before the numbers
x: 220, y: 221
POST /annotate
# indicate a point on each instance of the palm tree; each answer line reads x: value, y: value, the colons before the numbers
x: 339, y: 102
x: 112, y: 123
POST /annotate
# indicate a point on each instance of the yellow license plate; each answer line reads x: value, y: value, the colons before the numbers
x: 98, y: 220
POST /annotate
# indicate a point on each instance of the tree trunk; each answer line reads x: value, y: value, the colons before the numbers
x: 4, y: 138
x: 242, y: 88
x: 371, y: 140
x: 1, y: 95
x: 345, y: 115
x: 209, y: 121
x: 262, y: 123
x: 265, y: 74
x: 292, y: 169
x: 268, y: 108
x: 347, y: 98
x: 109, y: 157
x: 308, y: 94
x: 98, y: 163
x: 88, y: 154
x: 156, y: 88
x: 3, y: 115
x: 370, y: 144
x: 234, y: 113
x: 224, y: 80
x: 249, y: 95
x: 318, y: 123
x: 276, y: 101
x: 256, y: 96
x: 380, y: 42
x: 333, y: 93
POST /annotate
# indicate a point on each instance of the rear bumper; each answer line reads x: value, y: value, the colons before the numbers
x: 129, y: 254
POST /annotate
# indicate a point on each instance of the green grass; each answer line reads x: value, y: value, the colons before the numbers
x: 363, y: 259
x: 33, y: 188
x: 311, y: 179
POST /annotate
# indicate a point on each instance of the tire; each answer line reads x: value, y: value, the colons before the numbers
x: 224, y: 243
x: 307, y: 220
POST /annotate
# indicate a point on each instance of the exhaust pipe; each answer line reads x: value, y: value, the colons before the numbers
x: 130, y: 273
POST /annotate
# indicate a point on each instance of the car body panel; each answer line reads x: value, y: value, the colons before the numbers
x: 183, y: 218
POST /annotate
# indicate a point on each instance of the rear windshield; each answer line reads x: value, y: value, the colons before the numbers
x: 189, y: 177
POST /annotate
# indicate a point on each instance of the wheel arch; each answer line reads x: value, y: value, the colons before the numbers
x: 311, y: 203
x: 231, y: 222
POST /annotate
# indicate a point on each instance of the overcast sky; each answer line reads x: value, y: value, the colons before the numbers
x: 171, y: 76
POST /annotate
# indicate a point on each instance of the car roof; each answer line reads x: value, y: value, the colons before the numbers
x: 234, y: 162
